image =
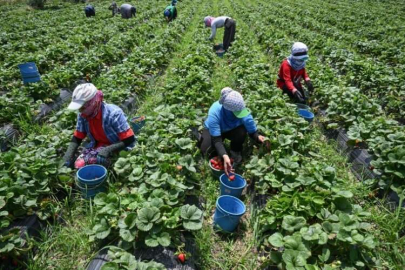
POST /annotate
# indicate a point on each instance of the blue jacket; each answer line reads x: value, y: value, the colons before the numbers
x: 221, y: 120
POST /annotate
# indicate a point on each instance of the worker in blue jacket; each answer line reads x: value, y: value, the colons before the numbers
x: 229, y: 119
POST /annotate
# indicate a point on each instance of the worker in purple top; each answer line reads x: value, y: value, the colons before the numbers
x: 223, y: 21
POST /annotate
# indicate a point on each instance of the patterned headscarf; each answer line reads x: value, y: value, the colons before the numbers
x: 92, y: 107
x: 231, y: 100
x: 208, y: 20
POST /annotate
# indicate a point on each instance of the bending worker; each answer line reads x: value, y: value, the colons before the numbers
x: 105, y: 125
x: 170, y: 13
x: 292, y: 72
x: 229, y: 119
x: 90, y: 11
x: 223, y: 21
x: 126, y: 10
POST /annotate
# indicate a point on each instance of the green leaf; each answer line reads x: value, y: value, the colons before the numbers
x: 151, y: 241
x: 130, y: 220
x: 190, y: 212
x: 291, y: 223
x: 276, y: 240
x: 146, y: 217
x: 127, y: 235
x: 101, y: 230
x: 324, y: 257
x: 184, y: 143
x: 164, y: 239
x: 110, y: 266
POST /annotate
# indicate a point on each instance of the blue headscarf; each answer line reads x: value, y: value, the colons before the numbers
x: 299, y: 55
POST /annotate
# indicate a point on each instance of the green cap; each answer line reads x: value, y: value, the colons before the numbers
x: 243, y: 113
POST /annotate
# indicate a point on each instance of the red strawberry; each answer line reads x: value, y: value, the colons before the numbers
x: 182, y: 257
x: 232, y: 177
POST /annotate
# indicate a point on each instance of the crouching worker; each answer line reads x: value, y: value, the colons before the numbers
x: 127, y: 11
x: 223, y: 21
x: 229, y: 119
x: 105, y: 125
x: 292, y: 72
x: 170, y: 13
x: 90, y: 11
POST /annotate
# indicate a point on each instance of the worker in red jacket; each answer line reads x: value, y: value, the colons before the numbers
x: 292, y: 72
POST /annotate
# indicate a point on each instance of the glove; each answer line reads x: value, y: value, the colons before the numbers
x: 310, y: 86
x: 106, y: 151
x: 70, y: 152
x: 298, y: 97
x: 102, y: 161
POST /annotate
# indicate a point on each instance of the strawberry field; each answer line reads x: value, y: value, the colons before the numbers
x: 328, y: 195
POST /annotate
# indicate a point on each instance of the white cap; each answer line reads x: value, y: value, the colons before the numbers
x: 82, y: 93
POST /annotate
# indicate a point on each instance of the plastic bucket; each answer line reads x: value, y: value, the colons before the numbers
x: 307, y: 115
x: 90, y: 180
x: 218, y: 46
x: 232, y: 188
x: 303, y: 107
x: 29, y: 72
x: 215, y: 172
x: 220, y: 52
x: 137, y: 123
x: 228, y: 212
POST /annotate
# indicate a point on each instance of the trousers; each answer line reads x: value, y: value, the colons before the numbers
x: 229, y: 34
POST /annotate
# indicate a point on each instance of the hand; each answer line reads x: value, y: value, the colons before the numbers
x: 102, y: 160
x: 68, y: 164
x: 264, y: 141
x: 310, y: 86
x: 298, y: 97
x: 227, y: 165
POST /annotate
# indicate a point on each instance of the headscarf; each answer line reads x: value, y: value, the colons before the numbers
x: 208, y: 20
x: 231, y: 100
x: 92, y: 107
x: 299, y: 55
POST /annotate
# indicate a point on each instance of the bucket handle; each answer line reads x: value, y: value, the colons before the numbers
x: 95, y: 187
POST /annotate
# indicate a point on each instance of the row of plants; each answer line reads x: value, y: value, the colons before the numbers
x: 375, y: 32
x: 155, y: 179
x: 76, y: 62
x: 376, y: 79
x: 347, y: 107
x: 310, y: 220
x: 42, y: 150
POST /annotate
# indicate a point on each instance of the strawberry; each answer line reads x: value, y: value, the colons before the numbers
x: 181, y: 257
x: 14, y: 262
x: 231, y: 177
x: 179, y: 167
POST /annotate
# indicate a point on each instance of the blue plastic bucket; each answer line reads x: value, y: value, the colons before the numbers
x: 29, y: 72
x: 303, y: 107
x: 228, y: 212
x: 307, y: 115
x: 220, y: 52
x: 91, y: 180
x: 137, y: 123
x: 232, y: 188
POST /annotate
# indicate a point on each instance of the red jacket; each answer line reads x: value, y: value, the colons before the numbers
x: 287, y: 75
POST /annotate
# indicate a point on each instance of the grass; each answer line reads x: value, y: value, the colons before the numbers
x: 65, y: 246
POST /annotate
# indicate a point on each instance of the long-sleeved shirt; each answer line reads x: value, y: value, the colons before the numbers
x: 221, y: 120
x: 217, y: 23
x: 287, y: 76
x: 108, y: 127
x: 126, y: 11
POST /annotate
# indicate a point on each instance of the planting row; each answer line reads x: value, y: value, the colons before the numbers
x: 310, y: 218
x: 347, y: 107
x: 32, y: 172
x: 82, y: 62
